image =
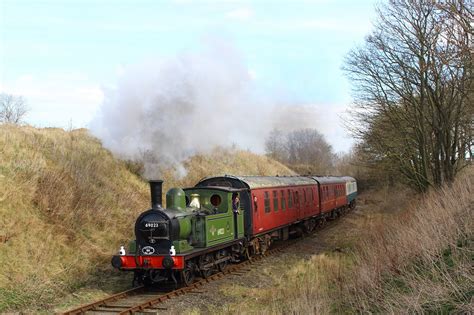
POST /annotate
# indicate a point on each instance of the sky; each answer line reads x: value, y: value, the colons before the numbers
x: 63, y: 56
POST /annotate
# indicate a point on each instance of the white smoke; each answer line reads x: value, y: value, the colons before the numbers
x: 163, y: 112
x: 166, y: 111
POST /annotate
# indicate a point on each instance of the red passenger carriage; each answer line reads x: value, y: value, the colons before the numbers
x: 275, y: 207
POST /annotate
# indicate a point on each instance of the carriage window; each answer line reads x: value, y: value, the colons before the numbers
x: 283, y: 200
x: 275, y: 200
x: 267, y: 202
x: 304, y: 195
x: 312, y: 194
x: 290, y: 200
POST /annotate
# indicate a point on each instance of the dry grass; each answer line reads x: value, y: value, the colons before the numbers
x: 301, y: 290
x: 421, y: 260
x: 63, y: 209
x: 66, y: 204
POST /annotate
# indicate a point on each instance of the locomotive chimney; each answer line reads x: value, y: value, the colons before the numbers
x: 156, y: 194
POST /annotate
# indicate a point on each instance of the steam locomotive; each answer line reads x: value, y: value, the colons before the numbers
x: 225, y: 219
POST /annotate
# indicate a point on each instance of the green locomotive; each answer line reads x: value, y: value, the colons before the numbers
x: 201, y: 230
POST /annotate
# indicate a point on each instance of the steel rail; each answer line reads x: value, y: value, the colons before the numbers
x: 182, y: 291
x: 178, y: 292
x: 84, y: 308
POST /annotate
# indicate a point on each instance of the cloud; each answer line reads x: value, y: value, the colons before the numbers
x: 57, y: 99
x: 252, y: 74
x: 320, y: 24
x: 240, y: 14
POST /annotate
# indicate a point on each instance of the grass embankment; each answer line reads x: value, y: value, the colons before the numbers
x: 66, y: 204
x: 398, y: 253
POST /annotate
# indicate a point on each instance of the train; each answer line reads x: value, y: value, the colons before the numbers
x: 226, y: 219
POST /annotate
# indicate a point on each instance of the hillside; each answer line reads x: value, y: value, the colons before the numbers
x: 66, y: 204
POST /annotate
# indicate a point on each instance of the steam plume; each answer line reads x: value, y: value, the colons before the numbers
x: 164, y: 112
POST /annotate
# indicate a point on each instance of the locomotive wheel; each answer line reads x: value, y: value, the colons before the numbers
x: 206, y: 260
x: 222, y: 265
x: 265, y: 243
x: 248, y: 253
x: 322, y: 222
x: 187, y: 274
x: 262, y: 246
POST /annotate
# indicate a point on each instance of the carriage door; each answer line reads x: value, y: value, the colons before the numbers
x: 297, y: 204
x: 257, y: 209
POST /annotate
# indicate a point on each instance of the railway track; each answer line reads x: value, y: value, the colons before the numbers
x: 140, y: 300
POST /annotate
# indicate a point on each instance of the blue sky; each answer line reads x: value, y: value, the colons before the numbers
x: 61, y: 55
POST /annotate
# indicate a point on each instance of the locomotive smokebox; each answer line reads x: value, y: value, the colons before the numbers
x: 156, y: 193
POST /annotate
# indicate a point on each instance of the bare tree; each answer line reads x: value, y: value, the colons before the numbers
x: 12, y: 108
x: 275, y: 145
x: 413, y: 87
x: 304, y: 150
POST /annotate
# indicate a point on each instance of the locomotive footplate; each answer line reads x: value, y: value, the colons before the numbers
x: 132, y: 262
x: 176, y: 262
